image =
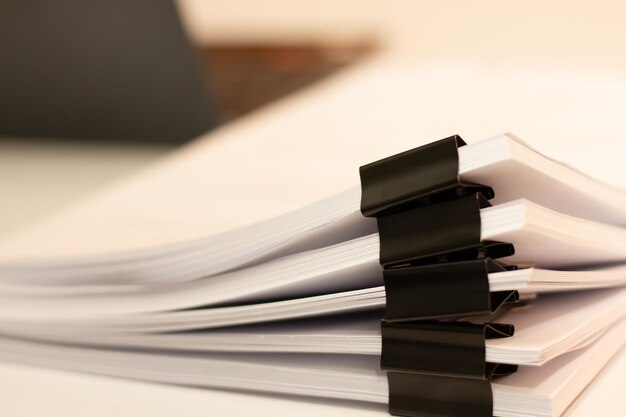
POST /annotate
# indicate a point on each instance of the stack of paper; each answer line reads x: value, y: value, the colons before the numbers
x: 293, y: 304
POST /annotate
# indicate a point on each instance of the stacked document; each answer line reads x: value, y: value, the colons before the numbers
x: 455, y: 280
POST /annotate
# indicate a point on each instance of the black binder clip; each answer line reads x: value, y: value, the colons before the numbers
x: 417, y: 177
x: 439, y: 370
x: 443, y: 290
x: 443, y: 232
x: 454, y: 349
x: 420, y: 395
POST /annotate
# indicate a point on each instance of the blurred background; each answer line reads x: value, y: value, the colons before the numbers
x: 93, y: 90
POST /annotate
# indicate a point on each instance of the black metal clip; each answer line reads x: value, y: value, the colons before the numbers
x: 445, y: 290
x: 444, y: 232
x: 454, y: 348
x: 417, y: 177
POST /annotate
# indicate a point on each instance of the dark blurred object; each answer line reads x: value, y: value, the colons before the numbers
x: 242, y: 78
x: 100, y: 69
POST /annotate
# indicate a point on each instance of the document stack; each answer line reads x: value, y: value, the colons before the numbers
x: 455, y: 280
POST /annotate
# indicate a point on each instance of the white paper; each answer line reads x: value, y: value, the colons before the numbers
x: 541, y: 237
x: 513, y: 170
x: 537, y: 391
x: 544, y: 329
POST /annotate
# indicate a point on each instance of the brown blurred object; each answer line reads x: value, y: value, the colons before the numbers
x: 242, y: 78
